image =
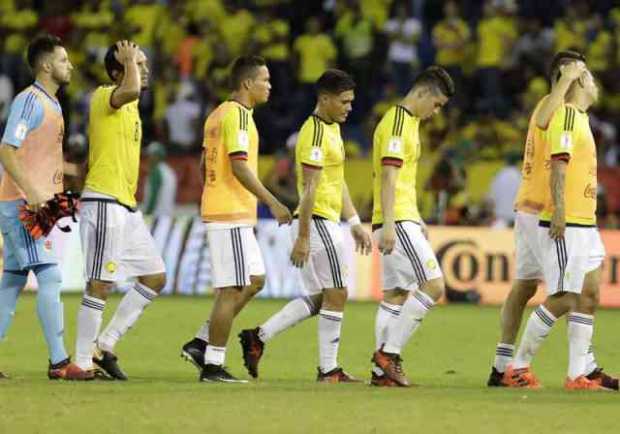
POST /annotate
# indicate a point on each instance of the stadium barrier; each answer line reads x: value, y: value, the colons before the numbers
x: 478, y: 263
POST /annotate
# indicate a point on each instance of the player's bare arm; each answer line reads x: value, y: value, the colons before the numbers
x: 245, y: 176
x: 557, y: 182
x: 301, y: 249
x: 388, y: 190
x: 570, y: 73
x: 8, y: 157
x: 129, y: 88
x: 363, y: 242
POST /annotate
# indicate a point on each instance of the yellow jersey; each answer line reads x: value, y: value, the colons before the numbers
x: 570, y: 139
x: 396, y: 142
x: 535, y: 169
x: 229, y: 133
x: 320, y: 145
x: 114, y: 136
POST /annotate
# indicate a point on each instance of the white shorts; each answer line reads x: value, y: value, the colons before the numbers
x: 325, y: 267
x: 116, y: 243
x: 235, y: 256
x: 527, y: 250
x: 567, y: 261
x: 412, y: 262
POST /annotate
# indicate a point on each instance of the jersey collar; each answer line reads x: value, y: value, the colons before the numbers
x: 42, y: 89
x: 405, y: 109
x: 321, y: 119
x: 242, y: 105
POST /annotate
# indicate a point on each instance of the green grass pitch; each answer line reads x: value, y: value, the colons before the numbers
x: 449, y: 358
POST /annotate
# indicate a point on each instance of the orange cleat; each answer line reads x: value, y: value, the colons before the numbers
x: 382, y: 381
x: 582, y: 383
x: 391, y: 364
x: 66, y: 370
x: 337, y: 375
x: 521, y: 377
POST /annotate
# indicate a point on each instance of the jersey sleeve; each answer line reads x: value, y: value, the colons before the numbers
x: 561, y: 133
x: 390, y: 140
x: 310, y: 149
x: 235, y: 127
x: 26, y: 114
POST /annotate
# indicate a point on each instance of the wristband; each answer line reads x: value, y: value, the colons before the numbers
x: 355, y: 220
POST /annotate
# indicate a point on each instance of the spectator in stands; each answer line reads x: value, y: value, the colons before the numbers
x: 92, y: 24
x: 599, y: 43
x: 183, y: 120
x: 403, y: 32
x: 160, y: 189
x: 503, y: 192
x: 534, y: 46
x: 496, y: 35
x: 570, y: 30
x: 6, y: 96
x: 451, y: 37
x: 143, y: 18
x: 236, y: 27
x: 17, y: 21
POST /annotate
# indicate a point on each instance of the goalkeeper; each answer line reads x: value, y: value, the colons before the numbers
x: 31, y: 154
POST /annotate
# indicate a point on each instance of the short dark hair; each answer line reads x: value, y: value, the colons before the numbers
x: 436, y: 78
x: 563, y: 58
x: 40, y: 46
x: 244, y: 67
x: 334, y: 81
x: 111, y: 64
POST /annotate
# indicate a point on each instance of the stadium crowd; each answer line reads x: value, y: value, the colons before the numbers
x: 497, y: 51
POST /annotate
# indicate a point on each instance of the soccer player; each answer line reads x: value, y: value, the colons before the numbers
x: 31, y: 154
x: 229, y: 199
x: 566, y: 67
x: 571, y: 249
x: 412, y: 280
x: 318, y: 244
x: 116, y: 243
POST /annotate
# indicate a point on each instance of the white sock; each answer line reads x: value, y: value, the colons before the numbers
x: 580, y: 329
x: 411, y: 315
x: 290, y: 315
x: 203, y: 333
x: 330, y: 324
x: 386, y: 313
x: 591, y: 364
x: 538, y: 327
x: 503, y: 356
x: 89, y: 320
x: 127, y: 313
x: 215, y: 355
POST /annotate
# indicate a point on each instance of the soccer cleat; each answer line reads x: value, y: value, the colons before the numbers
x: 108, y: 362
x: 194, y: 352
x: 521, y: 377
x: 600, y: 377
x: 253, y: 349
x: 336, y: 375
x: 3, y: 376
x: 495, y: 378
x: 66, y: 370
x: 391, y: 364
x: 100, y: 375
x: 382, y: 381
x: 582, y: 383
x: 218, y: 374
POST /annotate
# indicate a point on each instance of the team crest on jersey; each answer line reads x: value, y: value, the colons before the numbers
x: 21, y: 130
x: 110, y: 267
x: 395, y: 145
x: 316, y: 154
x: 566, y: 141
x: 243, y: 139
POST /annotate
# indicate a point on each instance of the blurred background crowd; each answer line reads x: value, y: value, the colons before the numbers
x: 497, y: 51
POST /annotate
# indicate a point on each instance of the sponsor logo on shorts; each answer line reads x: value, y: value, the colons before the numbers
x: 589, y: 192
x: 111, y: 266
x: 431, y: 264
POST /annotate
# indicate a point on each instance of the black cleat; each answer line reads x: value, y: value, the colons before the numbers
x: 100, y: 375
x: 253, y: 349
x: 600, y: 377
x: 495, y: 379
x: 194, y: 352
x: 109, y: 363
x: 218, y: 374
x: 3, y: 376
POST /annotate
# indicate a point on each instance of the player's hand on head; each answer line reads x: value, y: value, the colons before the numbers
x: 363, y: 242
x: 281, y: 213
x: 127, y: 51
x: 301, y: 252
x: 573, y: 70
x: 387, y: 239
